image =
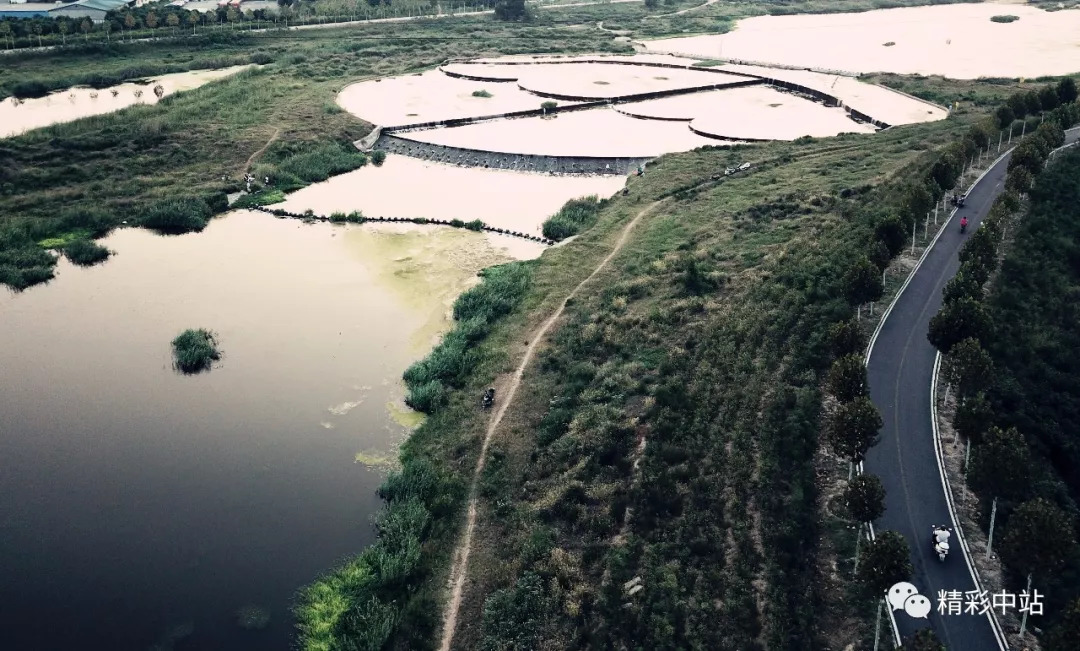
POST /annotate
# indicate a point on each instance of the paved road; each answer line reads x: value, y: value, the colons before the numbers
x: 900, y: 368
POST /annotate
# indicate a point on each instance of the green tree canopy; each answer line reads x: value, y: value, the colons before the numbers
x: 845, y: 338
x: 1066, y: 90
x: 1049, y: 98
x: 925, y: 639
x: 864, y: 498
x: 965, y: 284
x: 968, y: 367
x: 852, y: 428
x: 891, y: 231
x: 1001, y: 465
x: 1020, y: 180
x: 862, y: 282
x: 957, y: 321
x: 887, y: 561
x: 1039, y: 538
x: 1064, y: 636
x: 847, y: 378
x: 973, y: 417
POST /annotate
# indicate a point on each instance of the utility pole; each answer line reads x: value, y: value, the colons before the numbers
x: 1024, y: 130
x: 926, y: 227
x: 877, y: 625
x: 1010, y: 135
x: 913, y: 237
x: 1023, y: 620
x: 1000, y: 134
x: 993, y: 516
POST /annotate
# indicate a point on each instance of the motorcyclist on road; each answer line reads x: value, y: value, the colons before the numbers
x: 941, y: 539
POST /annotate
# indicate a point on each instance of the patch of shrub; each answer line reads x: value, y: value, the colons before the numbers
x: 261, y: 198
x: 319, y: 164
x: 475, y: 225
x: 456, y: 355
x: 481, y: 93
x: 176, y: 216
x: 85, y: 252
x: 377, y: 157
x: 24, y: 266
x: 575, y: 216
x: 195, y: 350
x: 1004, y: 19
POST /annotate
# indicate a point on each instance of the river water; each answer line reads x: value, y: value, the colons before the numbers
x: 141, y: 508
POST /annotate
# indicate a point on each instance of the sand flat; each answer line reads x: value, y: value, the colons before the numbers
x: 957, y: 41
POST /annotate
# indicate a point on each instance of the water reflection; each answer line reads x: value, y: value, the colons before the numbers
x: 143, y: 507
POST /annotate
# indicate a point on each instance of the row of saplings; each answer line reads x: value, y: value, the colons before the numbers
x: 852, y: 421
x: 1039, y: 536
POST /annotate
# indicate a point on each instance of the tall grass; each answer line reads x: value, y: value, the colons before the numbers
x: 176, y: 216
x: 575, y: 216
x: 295, y: 169
x: 195, y: 350
x: 450, y: 362
x: 85, y: 252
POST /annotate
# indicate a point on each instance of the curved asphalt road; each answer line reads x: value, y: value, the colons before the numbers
x: 900, y: 368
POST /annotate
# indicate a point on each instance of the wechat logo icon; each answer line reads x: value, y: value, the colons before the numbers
x: 905, y: 596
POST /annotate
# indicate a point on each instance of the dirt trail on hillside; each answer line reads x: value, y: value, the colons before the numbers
x: 251, y: 158
x: 461, y: 557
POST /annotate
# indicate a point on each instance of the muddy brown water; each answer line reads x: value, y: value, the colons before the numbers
x: 142, y: 508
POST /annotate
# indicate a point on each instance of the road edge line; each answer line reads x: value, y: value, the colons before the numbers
x: 946, y: 485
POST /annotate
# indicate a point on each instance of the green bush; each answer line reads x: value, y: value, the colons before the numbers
x: 321, y: 163
x: 195, y: 350
x: 176, y: 216
x: 1004, y: 19
x: 265, y: 197
x: 575, y: 216
x: 377, y: 157
x: 475, y: 225
x: 456, y: 355
x: 481, y: 93
x: 85, y: 252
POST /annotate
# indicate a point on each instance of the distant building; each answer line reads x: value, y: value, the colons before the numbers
x: 26, y: 9
x: 95, y: 10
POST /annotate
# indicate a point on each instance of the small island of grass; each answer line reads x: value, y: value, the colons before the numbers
x: 1004, y: 19
x: 85, y: 252
x: 195, y: 350
x: 889, y: 44
x: 481, y: 93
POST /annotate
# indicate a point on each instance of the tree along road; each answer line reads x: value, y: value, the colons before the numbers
x: 900, y: 369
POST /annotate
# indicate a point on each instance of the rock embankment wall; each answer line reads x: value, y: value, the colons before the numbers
x: 505, y: 161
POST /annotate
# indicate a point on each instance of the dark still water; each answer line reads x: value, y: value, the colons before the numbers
x: 140, y: 508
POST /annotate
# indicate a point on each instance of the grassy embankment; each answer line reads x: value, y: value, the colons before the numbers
x: 83, y: 178
x: 707, y: 337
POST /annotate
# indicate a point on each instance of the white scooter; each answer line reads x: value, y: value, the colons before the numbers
x: 940, y: 540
